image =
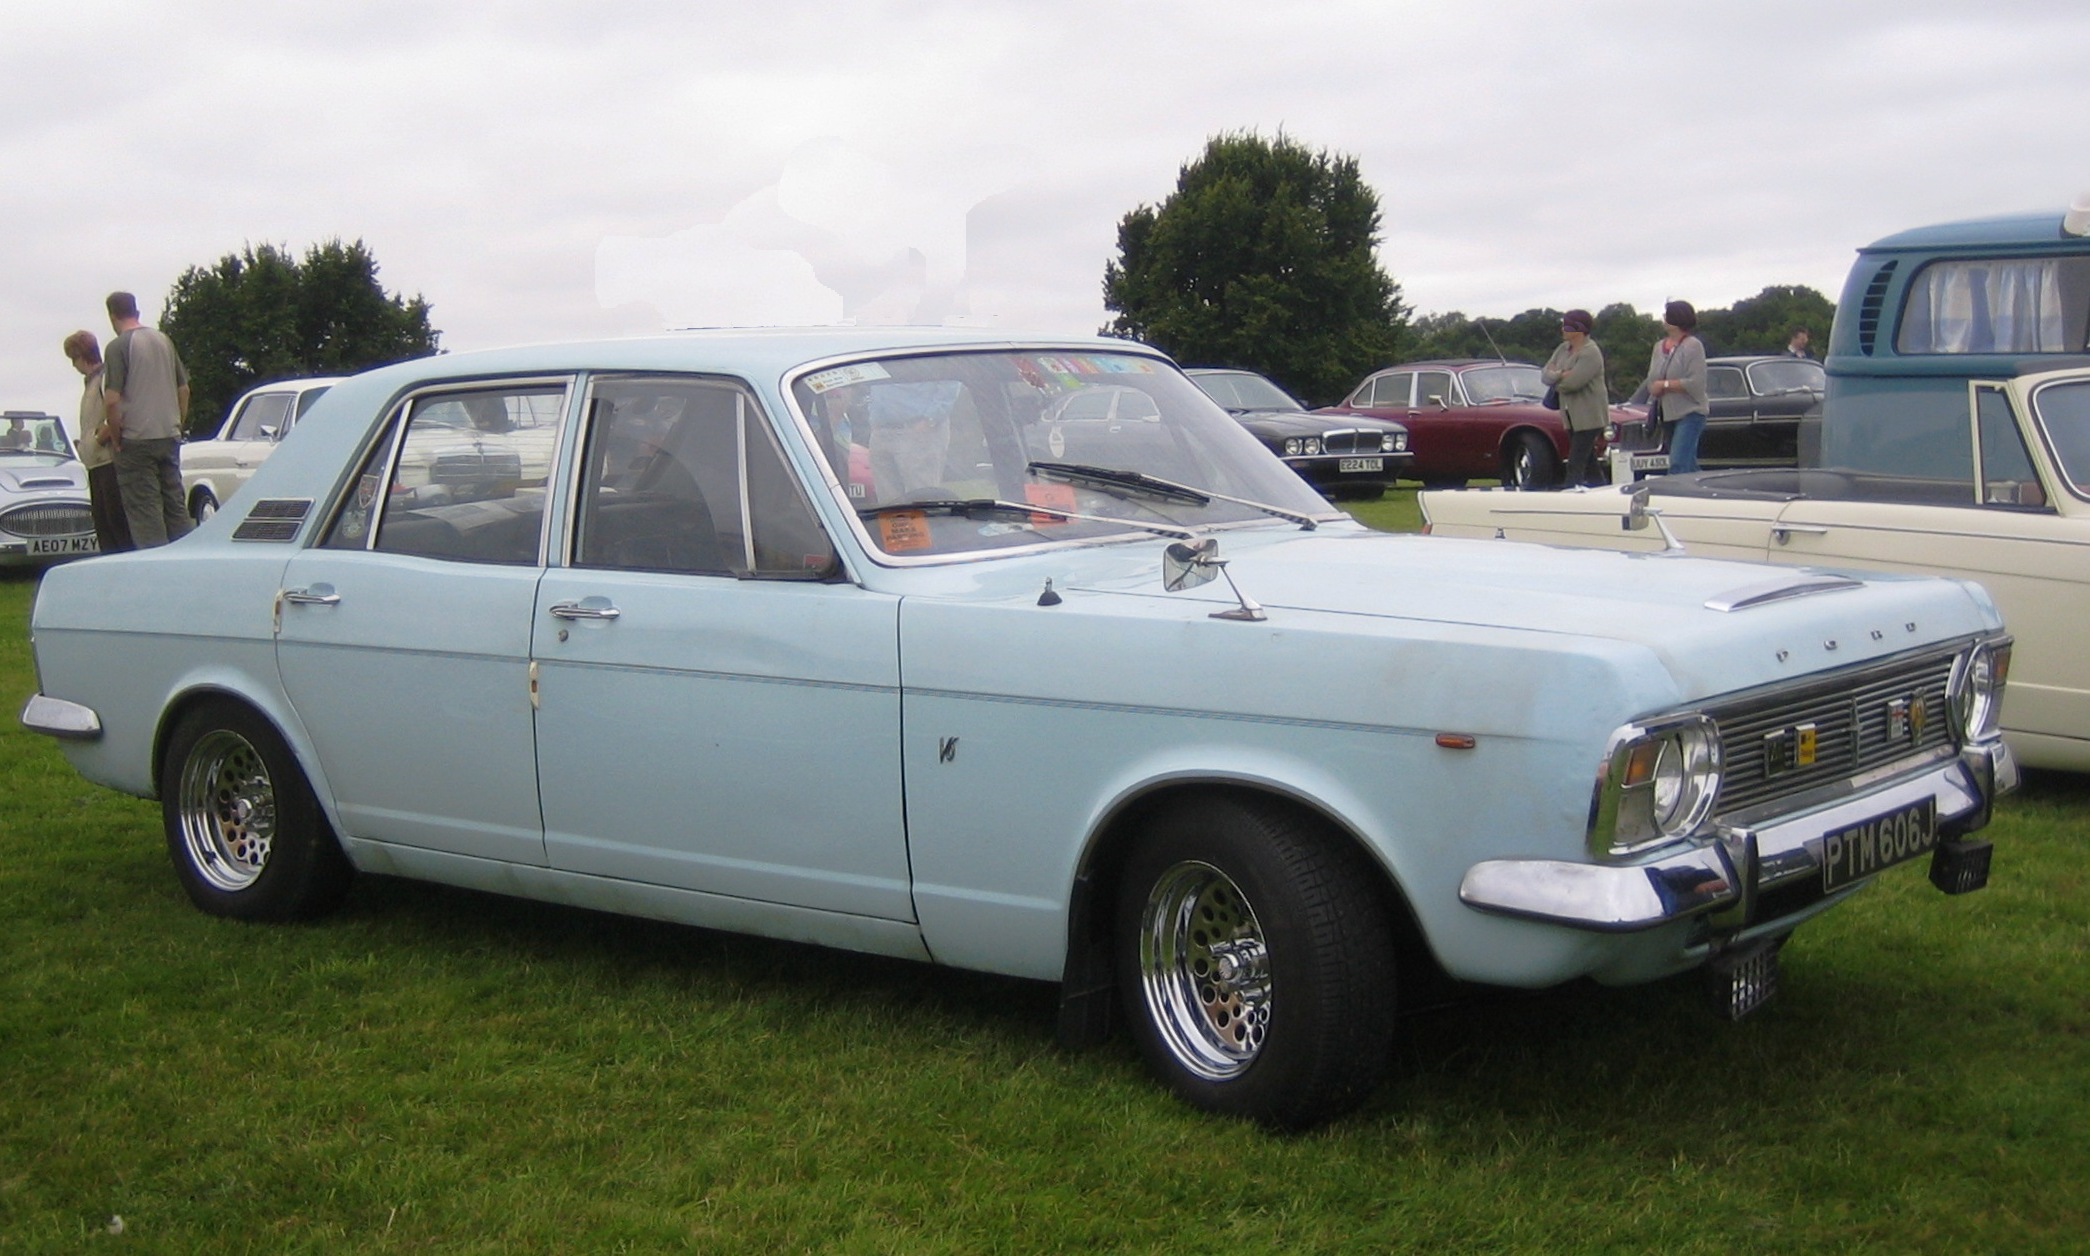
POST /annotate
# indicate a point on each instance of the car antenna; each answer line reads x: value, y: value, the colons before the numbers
x: 1485, y: 329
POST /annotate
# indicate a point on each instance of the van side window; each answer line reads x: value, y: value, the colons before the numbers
x: 1996, y: 305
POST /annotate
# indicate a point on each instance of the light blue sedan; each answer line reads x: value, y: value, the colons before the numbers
x: 873, y: 639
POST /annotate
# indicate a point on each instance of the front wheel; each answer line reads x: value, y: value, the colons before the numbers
x: 1531, y: 463
x: 1256, y: 963
x: 246, y: 834
x: 202, y: 505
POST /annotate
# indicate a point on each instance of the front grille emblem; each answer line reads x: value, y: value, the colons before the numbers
x: 1905, y: 718
x: 1790, y: 749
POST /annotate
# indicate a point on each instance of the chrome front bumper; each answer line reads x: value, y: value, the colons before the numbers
x: 1723, y: 874
x: 55, y: 717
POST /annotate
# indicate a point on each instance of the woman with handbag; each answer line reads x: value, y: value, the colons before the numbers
x: 1677, y: 387
x: 1576, y: 376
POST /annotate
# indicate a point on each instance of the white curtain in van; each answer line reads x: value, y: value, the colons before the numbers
x: 1985, y: 307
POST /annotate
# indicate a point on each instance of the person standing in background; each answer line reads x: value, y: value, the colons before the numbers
x: 1677, y: 387
x: 1577, y: 372
x: 111, y: 531
x: 1799, y: 344
x: 145, y: 395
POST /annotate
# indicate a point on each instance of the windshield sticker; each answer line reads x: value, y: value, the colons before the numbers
x: 838, y: 376
x: 1053, y: 497
x: 1093, y: 364
x: 904, y: 530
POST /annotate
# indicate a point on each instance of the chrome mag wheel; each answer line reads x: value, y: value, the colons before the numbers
x: 1205, y: 971
x: 225, y: 807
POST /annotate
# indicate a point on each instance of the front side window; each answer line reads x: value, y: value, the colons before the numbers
x: 1435, y: 388
x: 682, y: 474
x: 1996, y: 305
x: 462, y: 476
x: 952, y: 453
x: 2007, y: 473
x: 2060, y: 410
x: 1500, y: 385
x: 263, y: 417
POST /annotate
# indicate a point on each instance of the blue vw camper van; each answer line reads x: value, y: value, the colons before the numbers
x: 1927, y: 311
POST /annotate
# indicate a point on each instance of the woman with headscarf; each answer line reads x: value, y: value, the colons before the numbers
x: 1577, y: 372
x: 1677, y: 386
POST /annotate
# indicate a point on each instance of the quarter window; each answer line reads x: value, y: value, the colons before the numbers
x: 2008, y: 475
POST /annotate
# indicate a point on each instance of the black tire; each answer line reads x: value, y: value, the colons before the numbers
x: 202, y: 505
x: 246, y: 834
x: 1530, y: 463
x: 1300, y: 1031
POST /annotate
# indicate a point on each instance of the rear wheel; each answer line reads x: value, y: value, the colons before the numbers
x: 1256, y: 963
x: 246, y: 834
x: 1531, y: 463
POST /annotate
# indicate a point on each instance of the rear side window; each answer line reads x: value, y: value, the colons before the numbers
x: 1996, y: 305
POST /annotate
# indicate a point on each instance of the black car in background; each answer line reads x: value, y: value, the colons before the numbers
x: 1756, y: 406
x: 1343, y: 456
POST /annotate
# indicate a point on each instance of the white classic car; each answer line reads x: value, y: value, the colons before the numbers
x: 2015, y: 523
x: 44, y: 511
x: 215, y: 468
x: 858, y: 638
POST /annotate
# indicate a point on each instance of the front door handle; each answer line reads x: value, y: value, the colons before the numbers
x: 315, y: 595
x: 1782, y: 531
x: 587, y: 608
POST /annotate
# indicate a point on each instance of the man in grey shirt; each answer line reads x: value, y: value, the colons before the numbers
x: 145, y: 395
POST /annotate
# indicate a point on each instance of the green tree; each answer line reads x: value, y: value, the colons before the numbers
x: 262, y: 315
x: 1762, y: 324
x: 1263, y: 258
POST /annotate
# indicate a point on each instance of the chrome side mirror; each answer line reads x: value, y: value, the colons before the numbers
x: 1638, y: 517
x: 1189, y: 564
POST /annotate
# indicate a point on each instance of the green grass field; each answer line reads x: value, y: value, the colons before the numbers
x: 441, y: 1071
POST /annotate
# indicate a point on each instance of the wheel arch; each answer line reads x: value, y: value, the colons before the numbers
x: 1087, y: 982
x: 277, y: 714
x: 1509, y: 440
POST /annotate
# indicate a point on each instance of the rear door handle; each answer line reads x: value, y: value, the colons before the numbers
x: 587, y: 608
x: 1782, y: 531
x: 314, y: 595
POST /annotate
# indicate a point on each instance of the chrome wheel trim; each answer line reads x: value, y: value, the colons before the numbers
x: 225, y: 808
x: 1526, y: 470
x: 1205, y: 973
x: 206, y: 506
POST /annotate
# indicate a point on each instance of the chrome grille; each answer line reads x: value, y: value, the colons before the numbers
x: 476, y: 468
x: 48, y: 519
x: 1862, y: 719
x: 1351, y: 440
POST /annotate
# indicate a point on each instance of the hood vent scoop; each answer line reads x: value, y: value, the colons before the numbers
x: 1778, y: 591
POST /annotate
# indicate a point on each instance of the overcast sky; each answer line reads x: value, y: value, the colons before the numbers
x: 550, y: 169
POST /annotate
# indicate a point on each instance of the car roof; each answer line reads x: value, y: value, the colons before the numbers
x: 2006, y: 229
x: 1746, y: 359
x: 741, y: 351
x: 1456, y: 364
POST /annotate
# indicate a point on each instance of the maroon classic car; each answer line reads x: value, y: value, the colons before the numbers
x: 1472, y: 419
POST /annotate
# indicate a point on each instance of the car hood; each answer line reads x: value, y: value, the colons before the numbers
x: 40, y: 474
x: 1404, y: 584
x: 1302, y: 423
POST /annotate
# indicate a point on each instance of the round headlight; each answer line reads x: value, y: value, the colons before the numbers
x: 1293, y: 446
x: 1388, y: 443
x: 1660, y: 785
x: 1978, y: 689
x: 1311, y: 445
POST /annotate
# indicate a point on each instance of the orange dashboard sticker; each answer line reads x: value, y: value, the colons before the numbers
x: 1053, y: 497
x: 904, y: 530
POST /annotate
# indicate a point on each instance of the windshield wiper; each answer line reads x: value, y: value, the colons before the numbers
x: 1157, y: 487
x: 991, y: 507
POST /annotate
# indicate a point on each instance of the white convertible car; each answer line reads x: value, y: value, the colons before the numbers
x: 2016, y: 524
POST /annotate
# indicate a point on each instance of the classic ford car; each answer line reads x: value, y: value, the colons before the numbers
x: 2014, y: 521
x: 875, y: 639
x: 1357, y: 458
x: 213, y: 469
x: 44, y: 514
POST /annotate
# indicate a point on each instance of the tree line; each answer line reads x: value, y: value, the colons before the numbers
x: 1264, y: 258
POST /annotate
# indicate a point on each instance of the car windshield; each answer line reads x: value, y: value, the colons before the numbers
x: 1240, y: 391
x: 25, y: 434
x: 2061, y: 409
x: 1791, y: 375
x: 934, y: 451
x: 1489, y: 385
